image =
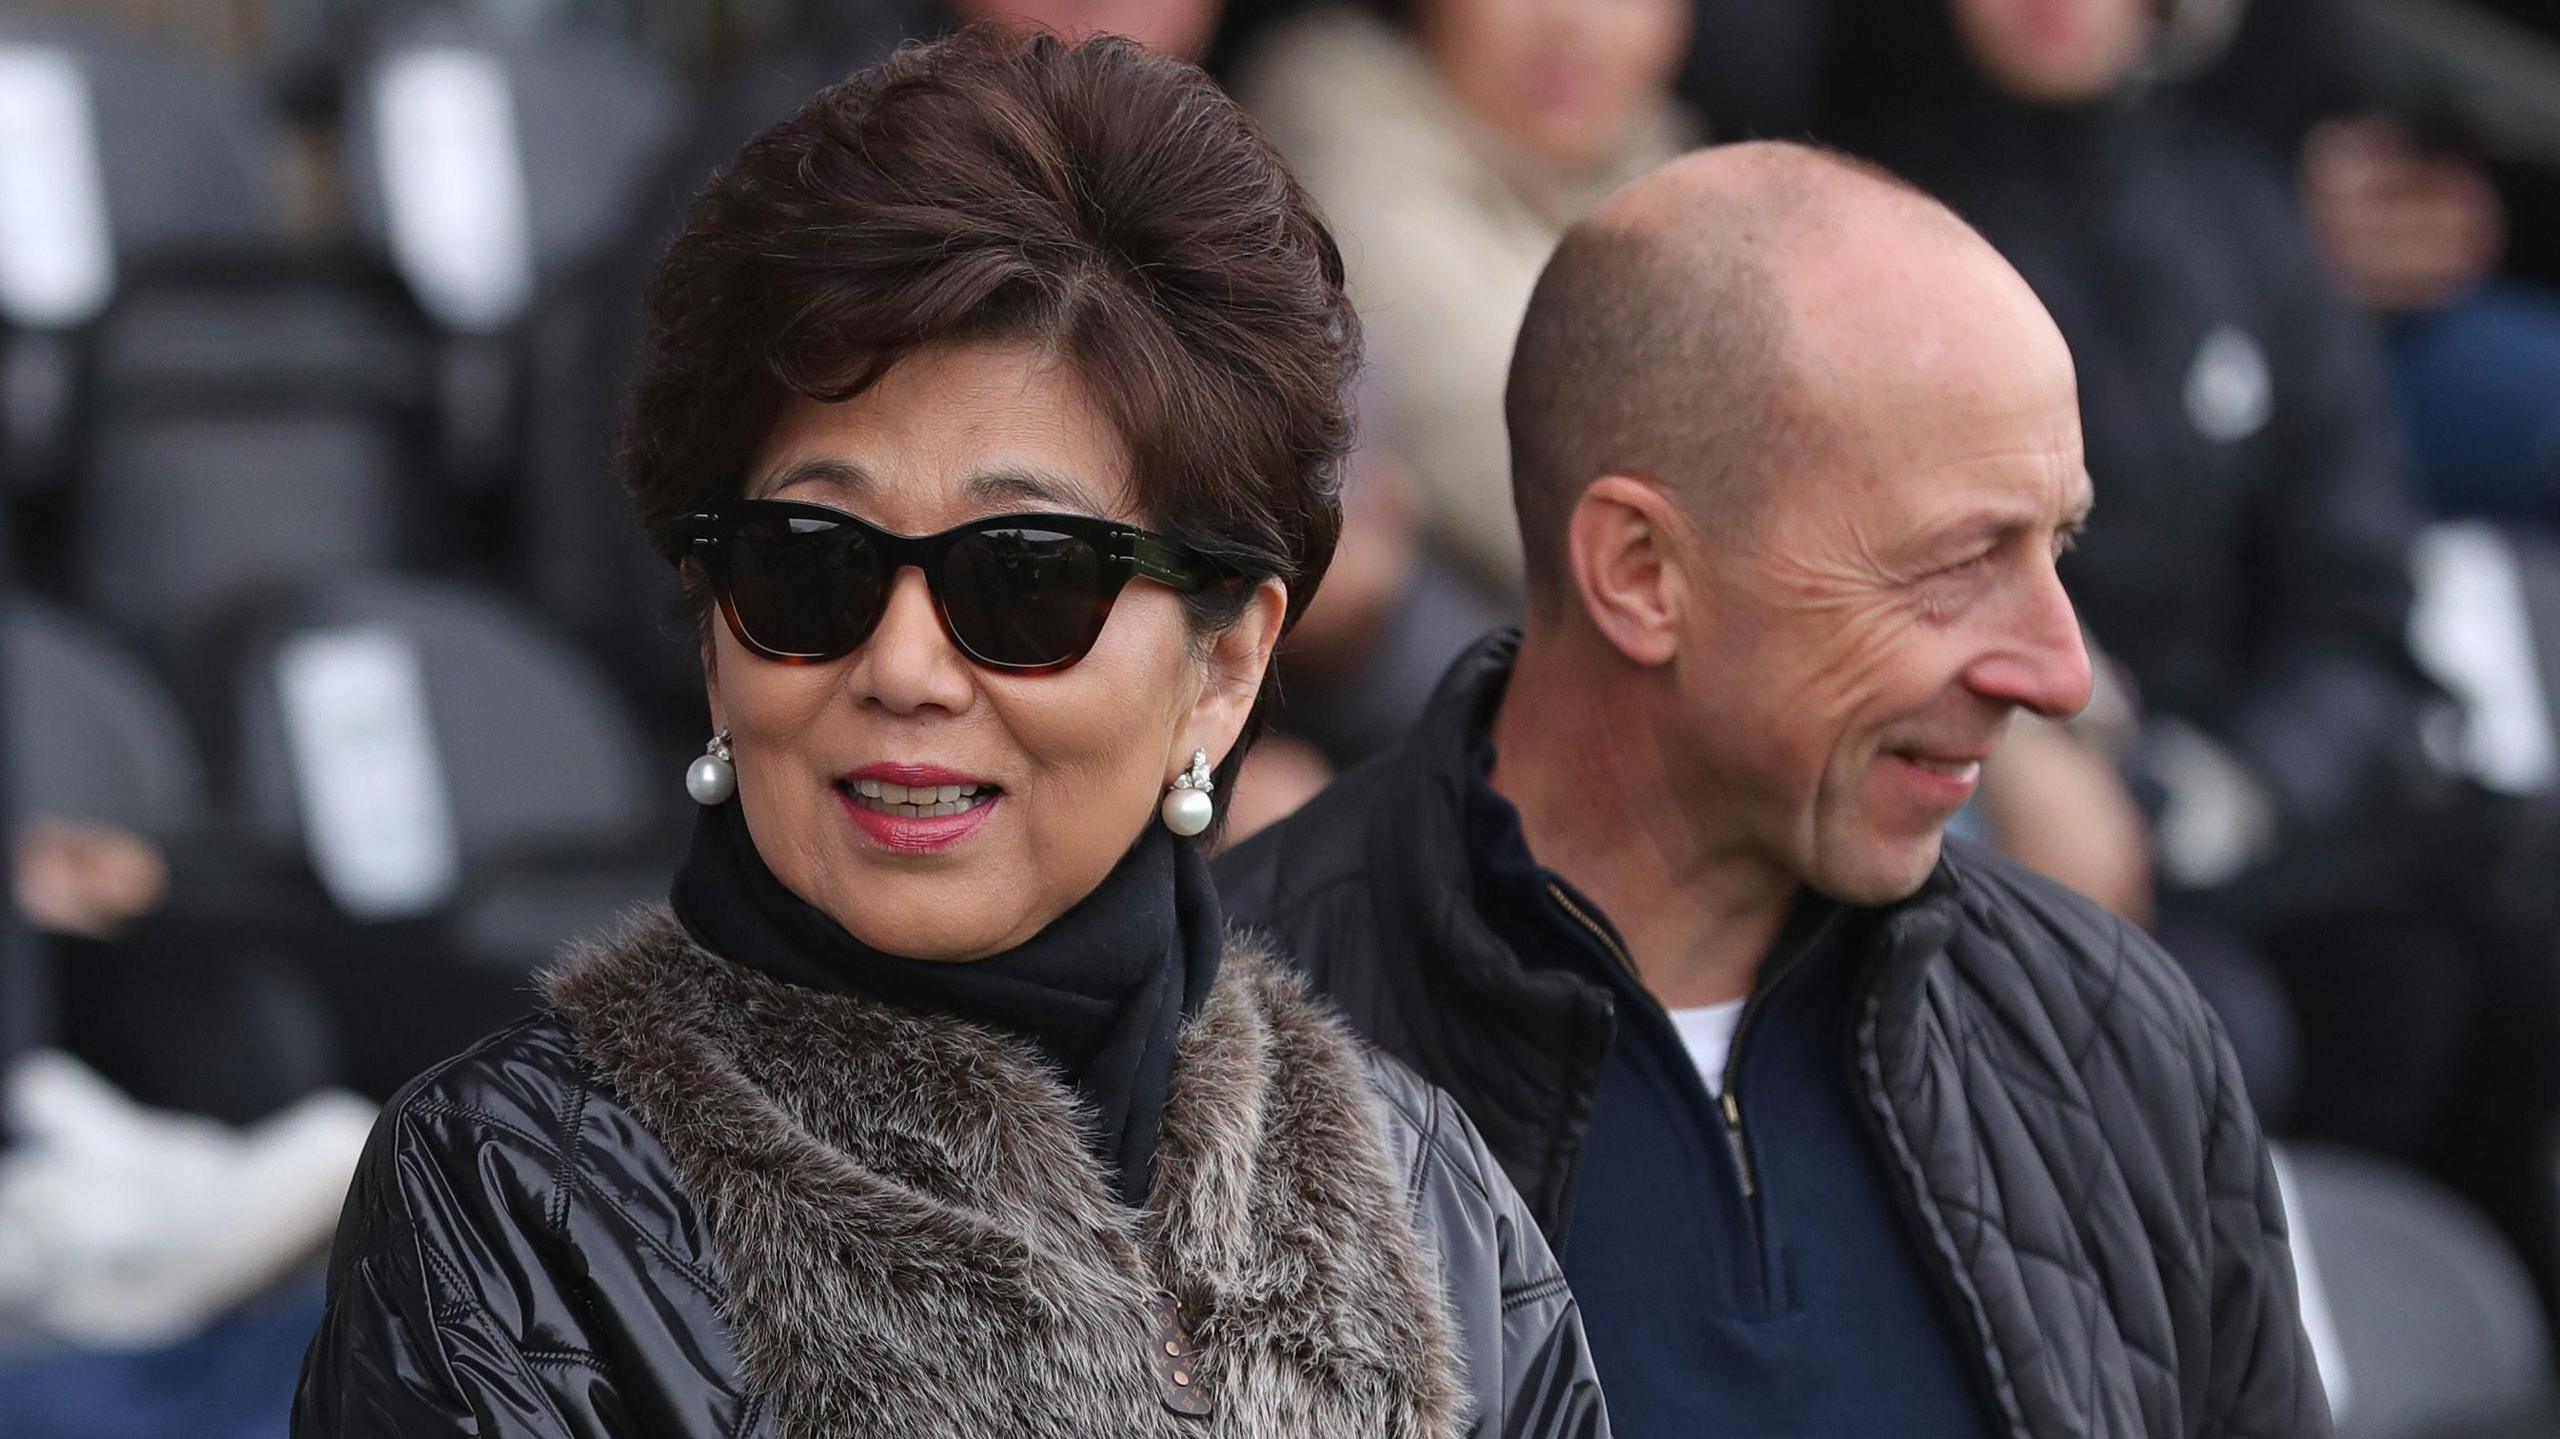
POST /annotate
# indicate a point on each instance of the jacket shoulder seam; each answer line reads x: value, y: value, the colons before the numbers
x: 1517, y: 1296
x: 1457, y: 1161
x: 463, y: 1306
x: 1432, y: 1138
x: 573, y: 1128
x: 1287, y: 903
x: 566, y: 1357
x: 455, y: 1109
x: 1429, y: 1134
x: 639, y: 1231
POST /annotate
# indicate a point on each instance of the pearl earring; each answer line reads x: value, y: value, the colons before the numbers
x: 1187, y: 807
x: 714, y: 777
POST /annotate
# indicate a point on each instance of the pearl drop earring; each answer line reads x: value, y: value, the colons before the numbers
x: 1187, y: 806
x: 712, y: 778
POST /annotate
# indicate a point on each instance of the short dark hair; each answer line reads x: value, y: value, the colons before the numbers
x: 1645, y: 355
x: 1670, y: 351
x: 1096, y: 198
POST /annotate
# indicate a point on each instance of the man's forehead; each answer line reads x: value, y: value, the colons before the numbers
x: 1992, y: 492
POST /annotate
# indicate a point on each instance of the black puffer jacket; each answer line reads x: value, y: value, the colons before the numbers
x: 2066, y: 1124
x: 693, y: 1200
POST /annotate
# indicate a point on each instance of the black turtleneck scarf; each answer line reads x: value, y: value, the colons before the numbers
x: 1100, y: 993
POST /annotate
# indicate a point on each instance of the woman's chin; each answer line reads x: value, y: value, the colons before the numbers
x: 941, y: 922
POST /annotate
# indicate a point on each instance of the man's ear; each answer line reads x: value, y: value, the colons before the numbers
x: 1618, y: 543
x: 1239, y: 656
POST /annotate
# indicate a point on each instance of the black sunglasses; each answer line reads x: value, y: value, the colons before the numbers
x: 805, y: 583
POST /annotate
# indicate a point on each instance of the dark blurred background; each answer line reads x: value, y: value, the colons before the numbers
x: 338, y: 690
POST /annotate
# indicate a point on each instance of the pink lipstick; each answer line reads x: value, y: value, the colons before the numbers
x: 916, y: 809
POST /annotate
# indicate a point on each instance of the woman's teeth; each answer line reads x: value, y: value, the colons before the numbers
x: 923, y: 801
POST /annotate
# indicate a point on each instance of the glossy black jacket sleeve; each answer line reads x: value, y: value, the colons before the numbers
x: 408, y: 1344
x: 507, y: 1265
x: 1530, y: 1369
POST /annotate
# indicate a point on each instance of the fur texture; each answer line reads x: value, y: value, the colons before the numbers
x: 916, y: 1242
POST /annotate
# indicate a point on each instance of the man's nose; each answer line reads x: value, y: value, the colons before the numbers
x: 2042, y: 665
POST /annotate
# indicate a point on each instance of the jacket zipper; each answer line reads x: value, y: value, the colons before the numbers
x: 1728, y: 1107
x: 1729, y: 1089
x: 1598, y: 931
x: 1731, y: 1109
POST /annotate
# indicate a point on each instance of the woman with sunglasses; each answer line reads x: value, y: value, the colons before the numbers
x: 992, y: 413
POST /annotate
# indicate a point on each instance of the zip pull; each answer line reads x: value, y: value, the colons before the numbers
x: 1598, y: 932
x: 1731, y: 1108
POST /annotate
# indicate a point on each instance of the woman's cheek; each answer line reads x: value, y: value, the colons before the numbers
x: 1096, y: 740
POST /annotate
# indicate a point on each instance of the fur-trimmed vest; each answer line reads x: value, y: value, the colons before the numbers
x: 694, y: 1200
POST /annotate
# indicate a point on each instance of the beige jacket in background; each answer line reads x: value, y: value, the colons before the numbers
x: 1443, y: 226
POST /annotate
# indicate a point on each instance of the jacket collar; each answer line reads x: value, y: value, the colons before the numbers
x: 1519, y: 1048
x: 1548, y: 1022
x: 915, y: 1241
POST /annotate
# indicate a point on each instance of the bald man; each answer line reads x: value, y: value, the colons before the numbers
x: 1842, y: 1129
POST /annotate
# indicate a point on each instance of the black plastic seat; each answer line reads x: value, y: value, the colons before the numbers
x: 589, y: 117
x: 542, y: 810
x: 92, y: 733
x: 490, y: 167
x: 2435, y: 1318
x: 251, y: 422
x: 190, y: 155
x: 176, y: 158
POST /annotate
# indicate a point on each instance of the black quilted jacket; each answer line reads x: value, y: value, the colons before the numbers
x: 2065, y: 1121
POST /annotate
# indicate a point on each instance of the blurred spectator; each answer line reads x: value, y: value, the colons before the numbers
x: 2055, y: 798
x: 1755, y: 66
x: 2409, y: 229
x: 2248, y: 566
x: 86, y: 880
x: 1450, y: 143
x: 148, y: 1260
x: 178, y: 1010
x: 2416, y: 234
x: 182, y: 1014
x: 2058, y: 805
x: 2427, y: 227
x: 1361, y: 665
x: 1278, y: 776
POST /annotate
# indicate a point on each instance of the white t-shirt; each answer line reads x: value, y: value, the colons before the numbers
x: 1707, y: 1031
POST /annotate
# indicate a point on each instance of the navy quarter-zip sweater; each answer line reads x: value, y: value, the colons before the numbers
x: 1748, y: 1280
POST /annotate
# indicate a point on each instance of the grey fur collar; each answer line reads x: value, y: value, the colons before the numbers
x: 916, y: 1243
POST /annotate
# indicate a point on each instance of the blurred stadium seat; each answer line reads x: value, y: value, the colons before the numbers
x: 490, y: 169
x: 190, y: 154
x: 2436, y: 1319
x: 248, y: 428
x: 122, y: 154
x: 92, y: 734
x: 528, y: 794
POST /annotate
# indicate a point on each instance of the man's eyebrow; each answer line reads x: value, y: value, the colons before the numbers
x: 1982, y: 519
x: 2084, y: 501
x: 842, y: 475
x: 1047, y: 487
x: 1989, y: 520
